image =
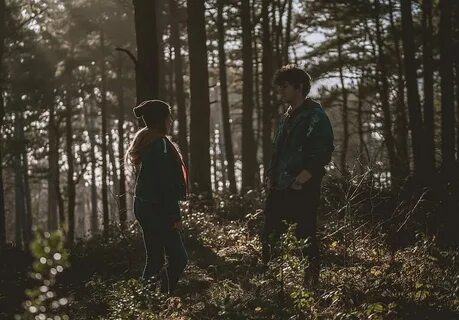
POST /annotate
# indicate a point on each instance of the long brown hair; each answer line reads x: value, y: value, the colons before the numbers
x: 154, y: 114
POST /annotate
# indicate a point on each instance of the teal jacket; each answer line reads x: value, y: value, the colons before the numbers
x: 303, y: 140
x: 160, y: 179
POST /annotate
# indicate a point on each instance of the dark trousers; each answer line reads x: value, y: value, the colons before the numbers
x: 160, y: 239
x: 293, y: 206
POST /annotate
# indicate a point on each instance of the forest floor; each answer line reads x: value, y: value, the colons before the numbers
x: 362, y: 276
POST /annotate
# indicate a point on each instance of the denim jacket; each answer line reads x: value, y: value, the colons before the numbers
x: 302, y: 142
x: 160, y: 179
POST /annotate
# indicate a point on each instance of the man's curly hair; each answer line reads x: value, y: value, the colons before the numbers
x: 293, y: 75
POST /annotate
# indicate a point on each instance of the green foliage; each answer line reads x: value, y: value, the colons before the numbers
x: 50, y: 259
x: 362, y: 277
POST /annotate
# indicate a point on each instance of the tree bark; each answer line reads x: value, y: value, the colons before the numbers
x: 162, y: 67
x: 179, y: 86
x: 447, y: 87
x: 71, y: 166
x: 2, y: 114
x: 122, y: 204
x: 401, y: 122
x: 89, y: 117
x: 344, y: 114
x: 147, y: 66
x: 287, y: 32
x: 396, y: 177
x: 457, y: 79
x: 53, y: 163
x: 103, y: 106
x: 267, y: 75
x: 227, y: 138
x: 427, y: 54
x: 414, y: 104
x: 28, y: 221
x: 249, y: 160
x: 20, y: 206
x: 200, y: 105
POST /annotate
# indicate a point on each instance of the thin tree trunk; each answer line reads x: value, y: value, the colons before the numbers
x: 401, y: 122
x: 71, y: 168
x: 28, y: 221
x: 344, y: 114
x: 2, y: 114
x: 89, y: 118
x: 114, y: 169
x: 396, y: 178
x: 122, y: 204
x: 248, y: 151
x: 414, y: 104
x: 103, y: 106
x: 214, y: 159
x: 162, y: 68
x: 287, y: 32
x: 227, y: 138
x: 427, y: 54
x: 179, y: 87
x: 19, y: 200
x: 147, y: 66
x: 256, y: 87
x: 200, y: 105
x: 457, y: 82
x: 53, y: 163
x: 447, y: 87
x: 20, y: 206
x: 266, y: 85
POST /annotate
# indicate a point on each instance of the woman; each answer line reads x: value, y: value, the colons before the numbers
x: 161, y: 184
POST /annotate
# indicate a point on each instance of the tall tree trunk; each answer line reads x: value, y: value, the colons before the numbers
x: 27, y: 226
x: 414, y: 104
x: 122, y: 204
x: 162, y: 67
x: 71, y: 166
x: 447, y: 87
x: 2, y: 114
x: 89, y: 118
x: 266, y: 61
x: 396, y: 177
x: 147, y: 66
x: 249, y: 160
x: 200, y: 105
x: 179, y: 87
x: 227, y: 138
x: 103, y: 106
x: 427, y: 54
x: 344, y: 114
x: 401, y: 122
x: 53, y: 163
x: 113, y: 167
x: 287, y: 32
x: 457, y: 80
x: 20, y: 207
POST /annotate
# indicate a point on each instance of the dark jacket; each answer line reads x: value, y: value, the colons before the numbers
x: 160, y: 180
x: 303, y: 140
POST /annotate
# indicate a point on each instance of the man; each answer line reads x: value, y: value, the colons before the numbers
x: 303, y: 145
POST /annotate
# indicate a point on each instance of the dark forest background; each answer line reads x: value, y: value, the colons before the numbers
x: 385, y: 71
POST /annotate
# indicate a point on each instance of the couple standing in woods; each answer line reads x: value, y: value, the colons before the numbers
x: 303, y: 144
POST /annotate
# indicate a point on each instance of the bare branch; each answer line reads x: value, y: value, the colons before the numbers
x: 129, y: 53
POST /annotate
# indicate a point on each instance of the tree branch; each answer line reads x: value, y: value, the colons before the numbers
x: 129, y: 53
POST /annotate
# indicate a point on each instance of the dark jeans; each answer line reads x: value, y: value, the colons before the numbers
x: 160, y: 238
x: 293, y: 206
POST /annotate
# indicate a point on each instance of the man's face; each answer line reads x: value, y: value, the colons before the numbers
x: 288, y: 92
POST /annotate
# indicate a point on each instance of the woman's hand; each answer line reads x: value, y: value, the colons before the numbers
x: 178, y: 226
x: 300, y: 180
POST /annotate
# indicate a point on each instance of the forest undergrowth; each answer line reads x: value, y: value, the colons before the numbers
x: 376, y: 264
